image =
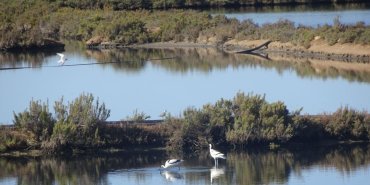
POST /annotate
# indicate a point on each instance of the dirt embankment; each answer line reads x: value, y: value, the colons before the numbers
x: 319, y: 49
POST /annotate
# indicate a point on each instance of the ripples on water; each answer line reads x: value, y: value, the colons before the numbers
x: 315, y: 165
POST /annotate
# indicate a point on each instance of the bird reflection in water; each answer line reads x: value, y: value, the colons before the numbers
x: 216, y: 173
x: 171, y: 175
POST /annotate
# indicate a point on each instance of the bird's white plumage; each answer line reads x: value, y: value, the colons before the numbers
x: 62, y: 58
x: 216, y: 154
x: 172, y: 163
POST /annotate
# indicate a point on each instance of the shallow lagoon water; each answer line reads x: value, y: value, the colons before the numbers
x: 307, y: 15
x: 345, y: 164
x: 155, y: 80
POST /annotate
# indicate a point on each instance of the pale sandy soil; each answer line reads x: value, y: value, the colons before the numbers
x: 317, y: 46
x: 319, y: 49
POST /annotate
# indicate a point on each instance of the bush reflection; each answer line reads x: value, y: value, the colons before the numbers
x: 248, y: 167
x: 199, y: 59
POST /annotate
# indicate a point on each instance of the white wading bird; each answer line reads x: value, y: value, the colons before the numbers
x: 172, y: 163
x: 62, y: 58
x: 216, y: 154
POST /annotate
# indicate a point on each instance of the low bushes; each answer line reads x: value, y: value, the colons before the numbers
x: 244, y: 120
x: 250, y: 119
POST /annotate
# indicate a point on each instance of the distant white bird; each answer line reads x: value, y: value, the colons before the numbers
x: 172, y: 163
x: 62, y: 59
x: 216, y: 154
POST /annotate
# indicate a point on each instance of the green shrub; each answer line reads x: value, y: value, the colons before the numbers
x: 191, y: 132
x: 282, y: 31
x: 78, y: 123
x: 37, y: 120
x: 220, y: 120
x: 133, y: 135
x: 248, y: 31
x: 303, y: 37
x: 13, y: 140
x: 347, y: 123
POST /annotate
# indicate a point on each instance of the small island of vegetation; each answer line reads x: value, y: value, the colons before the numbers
x: 245, y: 120
x: 124, y: 23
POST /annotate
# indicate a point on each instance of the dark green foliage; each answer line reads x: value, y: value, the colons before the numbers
x: 133, y: 135
x: 221, y: 117
x: 13, y: 140
x: 250, y: 119
x: 259, y: 121
x: 37, y: 120
x: 166, y: 4
x: 246, y: 119
x: 303, y: 36
x: 282, y: 31
x: 348, y: 123
x: 191, y: 132
x: 78, y: 123
x: 307, y: 129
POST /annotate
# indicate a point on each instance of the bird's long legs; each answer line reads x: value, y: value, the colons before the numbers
x: 216, y: 163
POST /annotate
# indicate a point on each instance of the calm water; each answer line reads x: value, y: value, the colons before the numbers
x: 193, y: 77
x: 316, y: 166
x: 302, y: 15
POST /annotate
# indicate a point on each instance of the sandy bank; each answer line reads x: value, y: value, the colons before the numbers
x: 318, y: 50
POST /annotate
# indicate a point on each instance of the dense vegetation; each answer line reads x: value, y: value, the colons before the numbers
x: 165, y: 4
x: 244, y: 120
x: 32, y: 23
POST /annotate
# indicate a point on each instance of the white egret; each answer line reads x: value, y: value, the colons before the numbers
x: 62, y: 58
x: 216, y: 154
x: 172, y: 163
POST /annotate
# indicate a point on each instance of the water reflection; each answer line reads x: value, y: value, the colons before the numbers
x: 215, y: 173
x: 200, y: 59
x: 171, y: 175
x: 23, y: 59
x: 251, y: 167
